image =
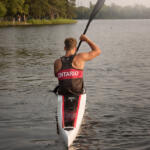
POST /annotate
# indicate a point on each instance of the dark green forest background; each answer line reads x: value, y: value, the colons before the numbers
x: 115, y: 12
x: 22, y: 10
x: 36, y: 9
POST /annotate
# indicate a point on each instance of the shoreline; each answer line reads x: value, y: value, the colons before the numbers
x: 37, y: 22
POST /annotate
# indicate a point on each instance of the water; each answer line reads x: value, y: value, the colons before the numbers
x: 117, y: 82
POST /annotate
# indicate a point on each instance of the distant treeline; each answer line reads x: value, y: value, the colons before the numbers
x: 115, y: 12
x: 20, y: 10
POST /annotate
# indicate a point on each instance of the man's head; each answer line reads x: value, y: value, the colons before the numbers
x: 70, y: 43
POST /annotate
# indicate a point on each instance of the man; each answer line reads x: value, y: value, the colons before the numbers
x: 69, y: 68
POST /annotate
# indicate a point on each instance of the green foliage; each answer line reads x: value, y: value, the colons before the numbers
x: 53, y: 21
x: 3, y: 9
x: 70, y: 8
x: 63, y: 21
x: 10, y: 23
x: 115, y: 12
x: 38, y: 22
x: 14, y: 7
x: 82, y: 12
x: 37, y: 9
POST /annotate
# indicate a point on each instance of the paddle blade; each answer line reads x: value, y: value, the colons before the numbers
x: 97, y: 7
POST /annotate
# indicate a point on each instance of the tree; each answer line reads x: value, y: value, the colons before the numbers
x: 15, y: 8
x: 115, y: 12
x: 70, y: 8
x: 38, y: 8
x: 82, y: 12
x: 3, y: 10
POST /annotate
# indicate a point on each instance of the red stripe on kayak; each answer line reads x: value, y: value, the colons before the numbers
x: 62, y: 111
x: 75, y: 122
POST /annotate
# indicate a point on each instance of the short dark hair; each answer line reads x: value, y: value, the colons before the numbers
x: 70, y: 43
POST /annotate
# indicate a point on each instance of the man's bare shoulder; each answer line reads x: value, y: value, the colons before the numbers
x: 83, y: 56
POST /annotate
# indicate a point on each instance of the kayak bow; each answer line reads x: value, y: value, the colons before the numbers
x: 70, y: 113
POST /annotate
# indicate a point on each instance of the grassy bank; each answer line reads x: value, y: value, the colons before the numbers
x: 38, y: 22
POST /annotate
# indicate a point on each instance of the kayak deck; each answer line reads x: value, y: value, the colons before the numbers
x: 70, y: 112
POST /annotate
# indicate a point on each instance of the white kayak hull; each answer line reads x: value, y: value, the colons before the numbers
x: 68, y: 130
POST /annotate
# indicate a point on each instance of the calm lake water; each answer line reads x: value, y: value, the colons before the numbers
x: 117, y: 82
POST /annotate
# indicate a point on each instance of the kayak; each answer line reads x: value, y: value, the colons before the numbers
x: 70, y: 111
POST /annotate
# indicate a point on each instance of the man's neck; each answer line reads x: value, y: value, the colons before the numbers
x: 69, y: 53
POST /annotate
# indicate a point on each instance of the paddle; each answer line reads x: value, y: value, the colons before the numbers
x: 97, y: 7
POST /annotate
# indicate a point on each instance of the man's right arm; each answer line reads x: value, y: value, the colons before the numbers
x: 95, y: 50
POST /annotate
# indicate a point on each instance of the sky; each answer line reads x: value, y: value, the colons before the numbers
x: 118, y: 2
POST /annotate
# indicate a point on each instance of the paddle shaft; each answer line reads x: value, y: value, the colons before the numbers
x: 97, y: 7
x: 83, y: 33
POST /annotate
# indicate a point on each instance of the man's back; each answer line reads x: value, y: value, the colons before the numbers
x: 77, y: 63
